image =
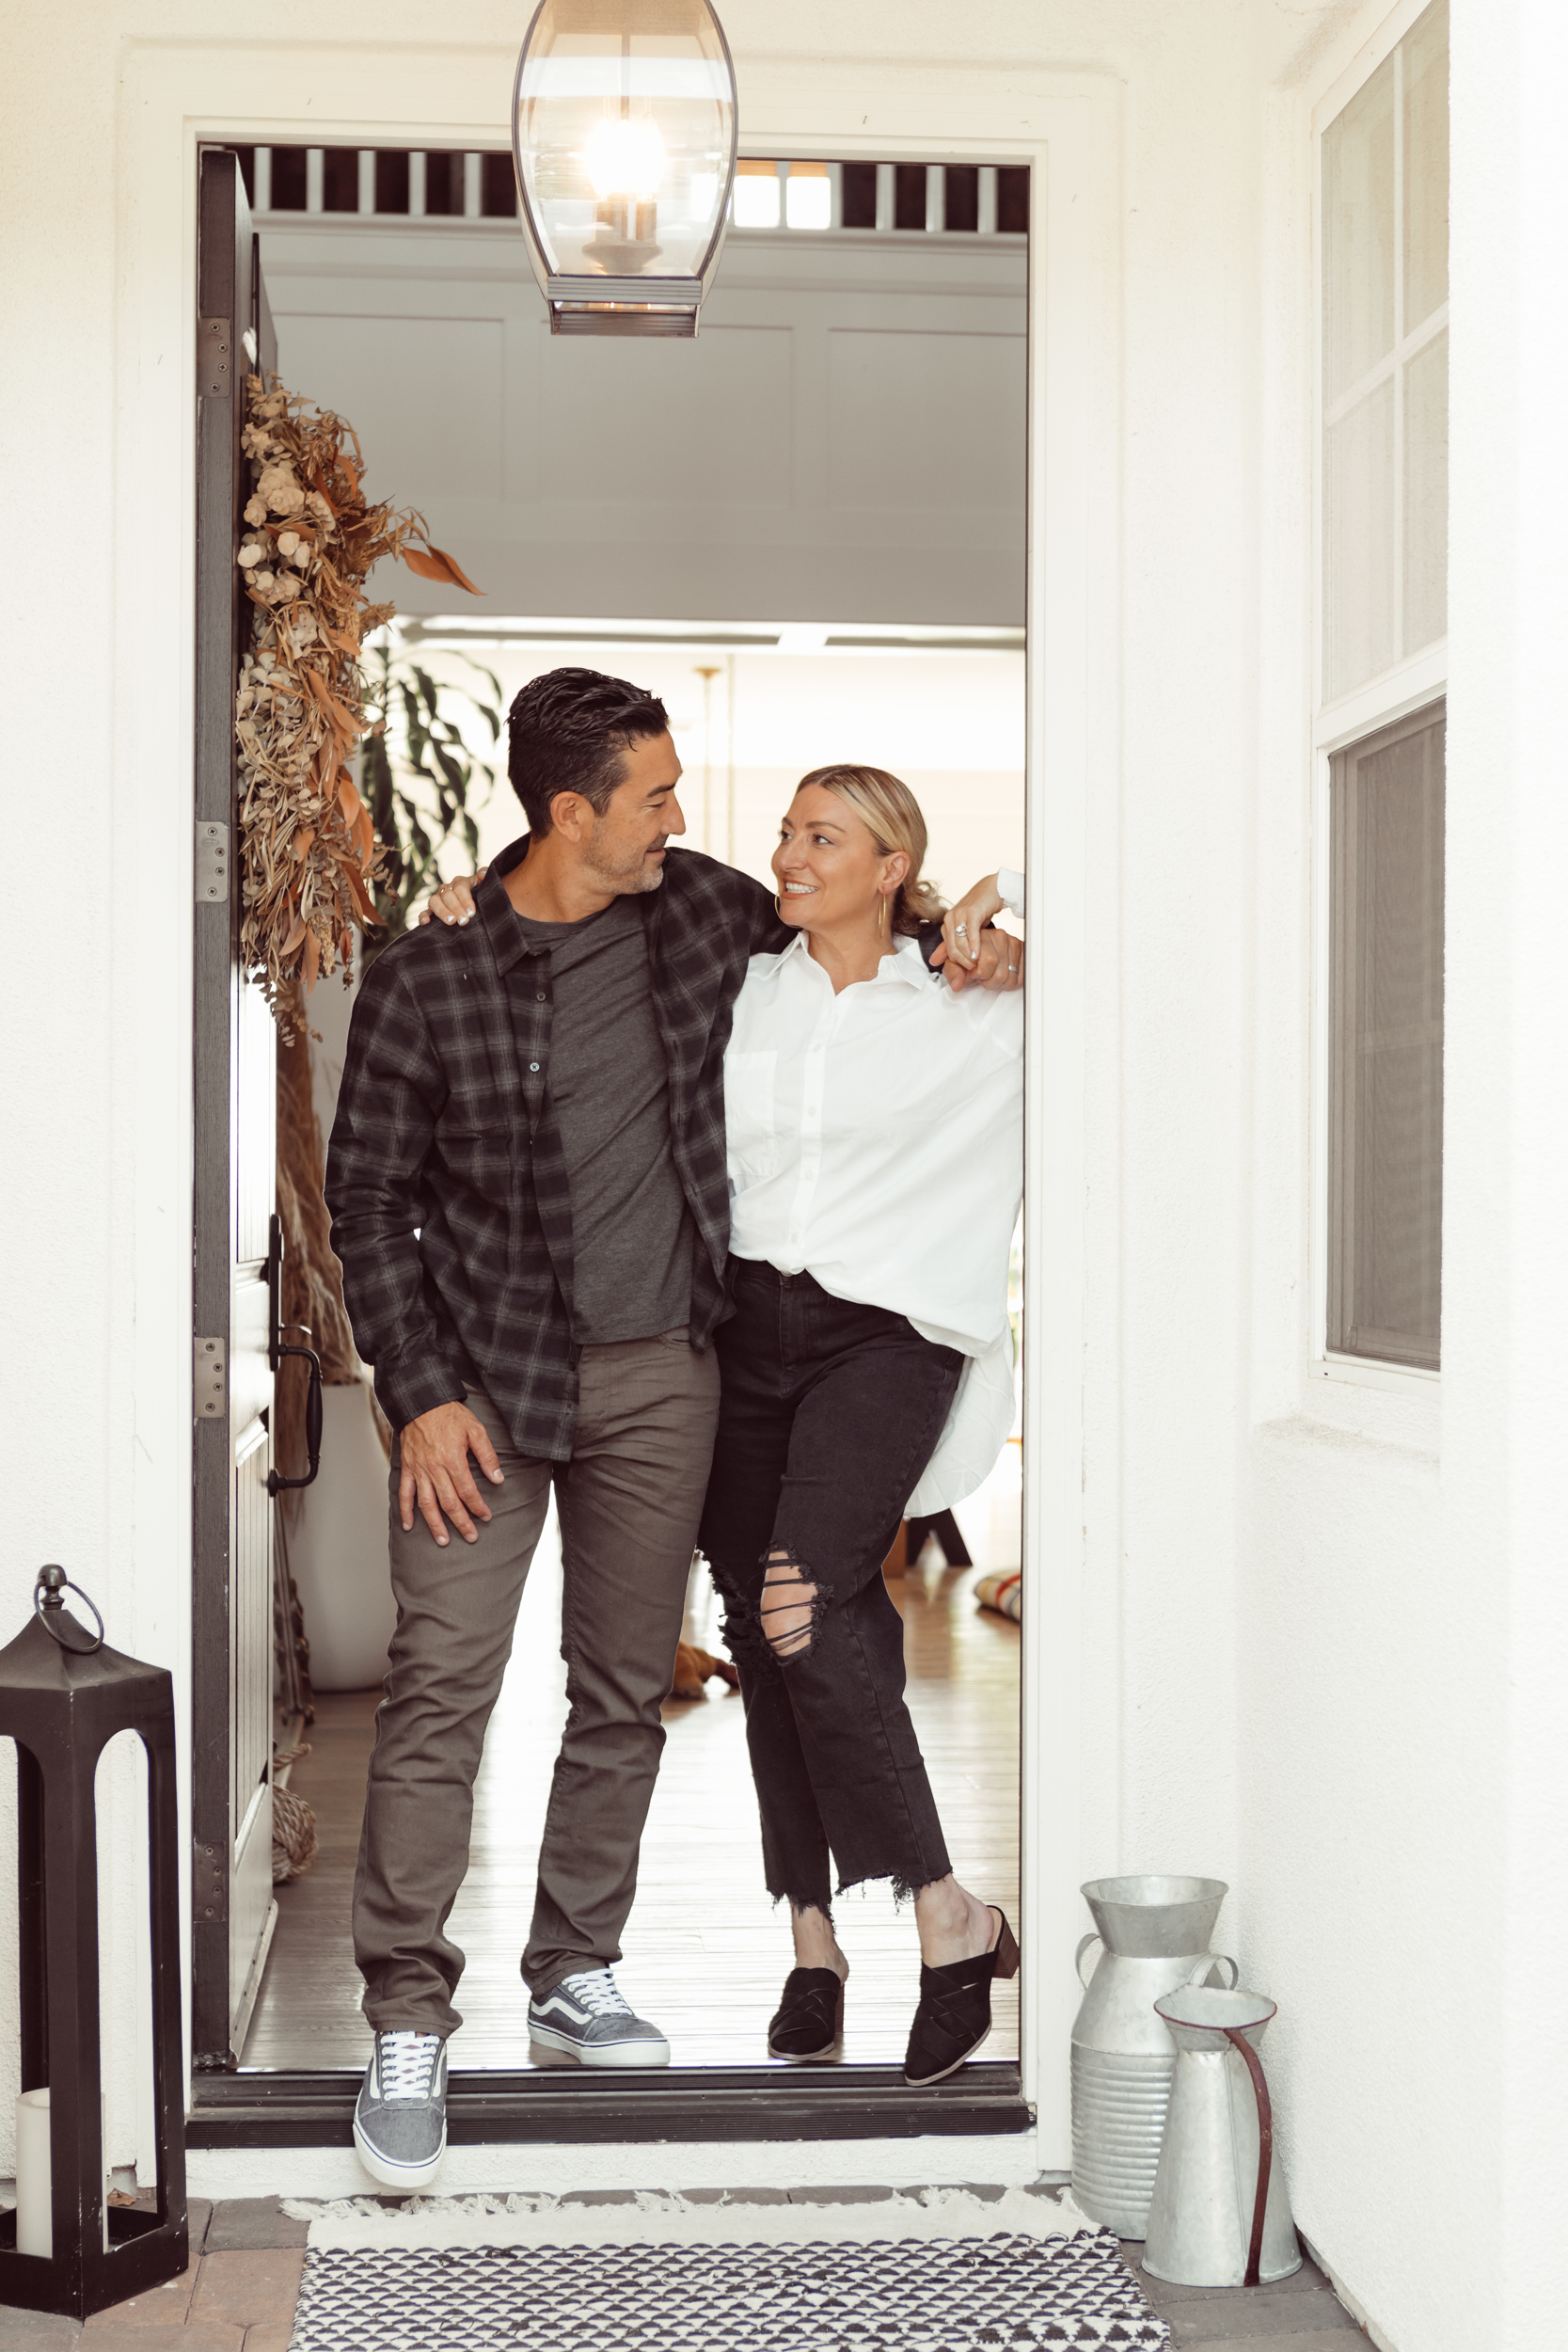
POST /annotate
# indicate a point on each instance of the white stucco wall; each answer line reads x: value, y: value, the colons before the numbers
x: 1322, y: 1635
x: 1401, y: 1753
x: 1506, y: 1420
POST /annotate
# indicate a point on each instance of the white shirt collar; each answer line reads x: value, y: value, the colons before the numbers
x: 905, y: 962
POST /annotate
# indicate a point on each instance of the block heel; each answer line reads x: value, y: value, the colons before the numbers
x: 954, y: 2015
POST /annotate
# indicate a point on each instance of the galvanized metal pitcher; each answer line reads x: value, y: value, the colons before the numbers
x: 1155, y: 1932
x: 1219, y: 2215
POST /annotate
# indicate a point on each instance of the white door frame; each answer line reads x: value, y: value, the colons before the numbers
x: 357, y: 92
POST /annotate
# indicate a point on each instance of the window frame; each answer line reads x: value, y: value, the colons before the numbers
x: 1407, y: 686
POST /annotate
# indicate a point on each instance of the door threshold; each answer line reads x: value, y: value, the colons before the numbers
x: 303, y: 2107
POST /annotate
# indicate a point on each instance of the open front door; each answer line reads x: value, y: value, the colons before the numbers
x: 234, y: 1187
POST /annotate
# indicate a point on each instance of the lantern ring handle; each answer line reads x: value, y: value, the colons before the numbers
x: 52, y: 1584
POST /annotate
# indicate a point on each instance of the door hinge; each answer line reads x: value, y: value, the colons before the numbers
x: 210, y: 1379
x: 214, y: 358
x: 209, y: 1883
x: 212, y: 863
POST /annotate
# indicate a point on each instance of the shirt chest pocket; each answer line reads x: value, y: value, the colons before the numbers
x: 473, y: 1141
x: 751, y: 1124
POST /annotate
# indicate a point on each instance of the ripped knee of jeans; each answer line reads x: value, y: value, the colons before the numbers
x: 741, y: 1633
x: 790, y: 1606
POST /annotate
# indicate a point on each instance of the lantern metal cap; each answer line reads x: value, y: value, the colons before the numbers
x: 49, y: 1593
x: 55, y: 1653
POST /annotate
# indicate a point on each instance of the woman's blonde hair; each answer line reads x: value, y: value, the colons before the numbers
x: 892, y: 815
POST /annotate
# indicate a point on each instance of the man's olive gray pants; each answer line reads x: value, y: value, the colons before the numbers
x: 628, y: 1503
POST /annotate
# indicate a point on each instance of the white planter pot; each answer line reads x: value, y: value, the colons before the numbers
x: 337, y: 1548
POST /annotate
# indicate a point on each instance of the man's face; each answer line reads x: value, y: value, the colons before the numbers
x: 624, y: 847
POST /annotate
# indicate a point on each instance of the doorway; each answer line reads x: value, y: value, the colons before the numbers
x: 964, y: 640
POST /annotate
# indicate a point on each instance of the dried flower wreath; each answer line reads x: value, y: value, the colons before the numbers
x: 308, y: 856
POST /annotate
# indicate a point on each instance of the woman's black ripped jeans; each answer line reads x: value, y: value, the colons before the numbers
x: 830, y: 1413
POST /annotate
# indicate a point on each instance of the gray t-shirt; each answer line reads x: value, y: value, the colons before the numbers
x: 632, y: 1233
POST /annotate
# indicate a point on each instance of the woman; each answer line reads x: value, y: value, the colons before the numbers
x: 873, y: 1122
x: 874, y: 1141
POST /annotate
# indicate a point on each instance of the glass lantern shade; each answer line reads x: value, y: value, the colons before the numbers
x: 623, y: 134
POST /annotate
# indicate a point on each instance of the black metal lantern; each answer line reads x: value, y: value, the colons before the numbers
x: 624, y: 134
x: 64, y: 1694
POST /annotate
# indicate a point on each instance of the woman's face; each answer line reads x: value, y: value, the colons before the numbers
x: 828, y: 866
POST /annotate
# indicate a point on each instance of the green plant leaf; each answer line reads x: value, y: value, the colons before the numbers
x: 419, y: 779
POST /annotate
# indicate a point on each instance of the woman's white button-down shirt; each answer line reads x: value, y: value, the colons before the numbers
x: 876, y: 1141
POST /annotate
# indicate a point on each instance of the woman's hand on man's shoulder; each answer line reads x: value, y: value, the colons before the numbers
x: 453, y: 903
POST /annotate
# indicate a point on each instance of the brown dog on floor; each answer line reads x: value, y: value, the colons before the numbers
x: 693, y: 1668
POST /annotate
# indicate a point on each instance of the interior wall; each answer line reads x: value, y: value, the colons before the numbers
x: 843, y: 439
x: 951, y: 723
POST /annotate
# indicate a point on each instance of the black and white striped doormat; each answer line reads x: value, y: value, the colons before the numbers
x: 959, y: 2294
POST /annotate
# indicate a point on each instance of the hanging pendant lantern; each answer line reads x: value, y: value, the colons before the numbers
x: 624, y: 134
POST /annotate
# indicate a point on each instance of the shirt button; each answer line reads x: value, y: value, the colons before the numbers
x: 533, y: 1065
x: 540, y: 996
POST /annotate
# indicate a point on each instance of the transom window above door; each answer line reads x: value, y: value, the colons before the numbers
x: 984, y: 200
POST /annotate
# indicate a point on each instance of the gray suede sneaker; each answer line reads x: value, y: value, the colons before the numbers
x: 400, y: 2118
x: 588, y: 2015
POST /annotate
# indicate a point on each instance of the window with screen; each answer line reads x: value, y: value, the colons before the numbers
x: 1386, y: 1109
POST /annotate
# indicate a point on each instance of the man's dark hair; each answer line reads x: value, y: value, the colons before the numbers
x: 569, y: 732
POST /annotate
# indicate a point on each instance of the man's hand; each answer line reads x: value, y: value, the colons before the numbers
x: 963, y: 926
x: 435, y: 1453
x: 970, y: 955
x: 997, y: 966
x: 454, y: 902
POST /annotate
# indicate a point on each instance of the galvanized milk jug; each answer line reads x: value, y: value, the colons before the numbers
x: 1219, y: 2216
x: 1155, y: 1932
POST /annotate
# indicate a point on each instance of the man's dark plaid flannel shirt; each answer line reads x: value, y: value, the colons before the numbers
x: 446, y: 1176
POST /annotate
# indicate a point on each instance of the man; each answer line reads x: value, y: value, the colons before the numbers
x: 527, y: 1181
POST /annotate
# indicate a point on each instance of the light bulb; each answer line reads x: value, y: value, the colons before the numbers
x: 626, y: 158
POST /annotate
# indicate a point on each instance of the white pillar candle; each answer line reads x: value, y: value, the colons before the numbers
x: 35, y: 2231
x: 35, y: 2191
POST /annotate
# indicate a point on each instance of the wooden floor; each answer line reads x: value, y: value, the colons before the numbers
x: 705, y: 1952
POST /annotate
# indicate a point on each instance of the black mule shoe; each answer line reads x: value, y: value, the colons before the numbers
x: 954, y: 2016
x: 810, y: 2017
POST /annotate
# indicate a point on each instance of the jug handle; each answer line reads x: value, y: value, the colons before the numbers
x: 1216, y: 1960
x: 1077, y: 1956
x: 1237, y: 2037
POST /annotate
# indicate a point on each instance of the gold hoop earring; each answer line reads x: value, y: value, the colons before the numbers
x: 882, y: 909
x: 777, y: 906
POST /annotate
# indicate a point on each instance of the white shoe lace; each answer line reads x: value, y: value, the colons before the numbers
x: 598, y: 1990
x: 406, y: 2064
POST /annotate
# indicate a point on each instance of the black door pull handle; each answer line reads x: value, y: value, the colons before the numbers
x: 275, y: 1482
x: 276, y: 1349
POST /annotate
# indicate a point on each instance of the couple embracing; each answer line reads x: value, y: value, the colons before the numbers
x: 693, y: 1203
